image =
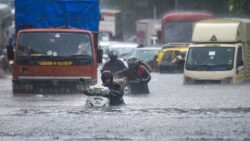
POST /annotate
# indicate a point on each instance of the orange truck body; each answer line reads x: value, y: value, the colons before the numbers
x: 50, y: 35
x: 48, y: 76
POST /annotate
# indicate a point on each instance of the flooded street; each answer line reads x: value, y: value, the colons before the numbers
x: 63, y: 46
x: 172, y: 111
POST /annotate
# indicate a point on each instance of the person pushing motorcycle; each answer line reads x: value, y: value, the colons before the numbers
x: 114, y: 64
x: 137, y: 75
x: 116, y: 92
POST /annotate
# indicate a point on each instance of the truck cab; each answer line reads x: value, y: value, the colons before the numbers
x: 219, y: 52
x: 52, y: 54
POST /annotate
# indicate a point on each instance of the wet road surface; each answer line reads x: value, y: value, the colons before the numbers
x: 172, y: 111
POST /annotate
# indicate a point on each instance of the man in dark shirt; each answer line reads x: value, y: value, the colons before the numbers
x: 114, y: 64
x: 137, y: 75
x: 116, y: 92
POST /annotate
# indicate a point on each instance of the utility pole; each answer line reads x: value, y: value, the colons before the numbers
x: 176, y: 4
x: 155, y: 10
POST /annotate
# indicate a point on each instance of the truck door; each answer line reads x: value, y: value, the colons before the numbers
x: 239, y: 66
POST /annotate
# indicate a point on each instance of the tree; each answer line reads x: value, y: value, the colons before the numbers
x: 239, y: 7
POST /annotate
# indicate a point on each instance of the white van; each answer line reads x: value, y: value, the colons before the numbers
x: 219, y: 53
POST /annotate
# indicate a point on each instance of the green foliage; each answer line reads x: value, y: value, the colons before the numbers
x: 239, y: 6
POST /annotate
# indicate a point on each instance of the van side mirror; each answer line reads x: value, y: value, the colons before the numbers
x: 240, y: 63
x: 99, y: 55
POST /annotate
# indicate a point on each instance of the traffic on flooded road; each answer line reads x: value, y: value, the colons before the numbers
x: 172, y: 111
x: 108, y: 70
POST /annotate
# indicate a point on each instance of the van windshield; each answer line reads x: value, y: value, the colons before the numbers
x: 54, y: 46
x: 210, y: 58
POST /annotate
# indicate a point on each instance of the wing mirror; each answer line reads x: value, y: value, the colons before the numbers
x: 240, y: 63
x: 99, y: 55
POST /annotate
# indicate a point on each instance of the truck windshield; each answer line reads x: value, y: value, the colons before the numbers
x: 178, y: 32
x: 210, y: 58
x: 37, y: 46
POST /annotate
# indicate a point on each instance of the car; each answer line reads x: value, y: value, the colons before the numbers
x: 147, y: 55
x: 171, y: 59
x: 123, y: 49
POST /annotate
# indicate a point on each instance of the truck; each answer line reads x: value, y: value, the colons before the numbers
x: 111, y: 25
x: 146, y: 31
x: 176, y: 29
x: 49, y: 36
x: 219, y: 53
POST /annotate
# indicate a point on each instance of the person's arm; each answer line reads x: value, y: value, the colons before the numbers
x: 121, y: 73
x: 105, y: 67
x: 116, y: 91
x: 146, y: 77
x: 123, y: 66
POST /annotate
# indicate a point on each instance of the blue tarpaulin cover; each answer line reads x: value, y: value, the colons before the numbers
x: 82, y: 14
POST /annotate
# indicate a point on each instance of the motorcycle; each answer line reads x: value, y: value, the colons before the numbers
x: 97, y: 96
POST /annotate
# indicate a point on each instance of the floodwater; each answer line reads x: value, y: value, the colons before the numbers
x: 172, y: 111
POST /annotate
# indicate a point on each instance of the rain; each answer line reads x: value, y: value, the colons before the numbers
x: 45, y: 86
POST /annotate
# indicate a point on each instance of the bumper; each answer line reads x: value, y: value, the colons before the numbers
x: 189, y: 80
x: 170, y: 68
x: 50, y: 86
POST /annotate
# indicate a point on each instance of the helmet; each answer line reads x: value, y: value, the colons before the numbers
x: 106, y: 74
x: 133, y: 62
x: 113, y: 55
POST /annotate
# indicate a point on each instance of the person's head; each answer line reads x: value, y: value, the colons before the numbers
x: 113, y: 55
x: 83, y: 45
x: 107, y: 77
x: 133, y: 62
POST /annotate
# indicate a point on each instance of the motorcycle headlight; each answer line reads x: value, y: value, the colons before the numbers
x: 106, y: 91
x: 90, y: 90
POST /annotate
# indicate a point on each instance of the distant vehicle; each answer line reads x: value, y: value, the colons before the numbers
x: 176, y: 30
x: 9, y: 2
x: 219, y: 52
x: 104, y: 45
x: 5, y: 23
x: 177, y: 26
x: 46, y: 58
x: 146, y: 31
x: 124, y: 49
x: 110, y: 28
x: 171, y: 59
x: 147, y: 55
